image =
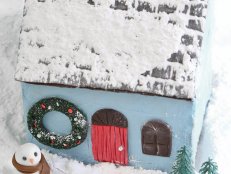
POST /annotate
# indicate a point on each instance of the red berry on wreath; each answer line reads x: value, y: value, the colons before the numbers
x: 43, y: 106
x: 35, y: 125
x: 70, y: 111
x: 52, y: 142
x: 78, y: 142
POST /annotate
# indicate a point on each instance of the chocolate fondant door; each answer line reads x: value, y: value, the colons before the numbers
x: 109, y: 137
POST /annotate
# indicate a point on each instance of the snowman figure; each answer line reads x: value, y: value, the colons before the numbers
x: 29, y: 159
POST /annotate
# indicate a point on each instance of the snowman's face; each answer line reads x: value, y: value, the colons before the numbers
x: 28, y: 155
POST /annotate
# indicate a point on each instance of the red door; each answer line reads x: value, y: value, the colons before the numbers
x: 109, y: 137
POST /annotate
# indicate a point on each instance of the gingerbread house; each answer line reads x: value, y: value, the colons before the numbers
x: 120, y: 81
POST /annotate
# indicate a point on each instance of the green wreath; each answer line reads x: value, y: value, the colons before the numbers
x: 78, y: 121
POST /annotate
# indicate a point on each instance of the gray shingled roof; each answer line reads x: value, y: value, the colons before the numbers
x: 149, y: 47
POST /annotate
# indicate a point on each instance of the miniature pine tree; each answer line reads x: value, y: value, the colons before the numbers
x: 209, y: 167
x: 183, y: 163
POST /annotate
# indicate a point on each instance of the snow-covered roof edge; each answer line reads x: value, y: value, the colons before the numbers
x: 163, y: 79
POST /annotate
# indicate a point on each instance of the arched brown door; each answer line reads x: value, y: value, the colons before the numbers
x: 156, y: 138
x: 109, y: 136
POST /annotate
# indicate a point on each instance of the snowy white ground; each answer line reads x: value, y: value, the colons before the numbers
x: 216, y: 140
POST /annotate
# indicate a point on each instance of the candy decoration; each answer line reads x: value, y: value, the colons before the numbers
x: 70, y: 111
x: 77, y: 118
x: 43, y: 106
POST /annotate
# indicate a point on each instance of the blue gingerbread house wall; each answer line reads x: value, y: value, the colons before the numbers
x: 139, y: 109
